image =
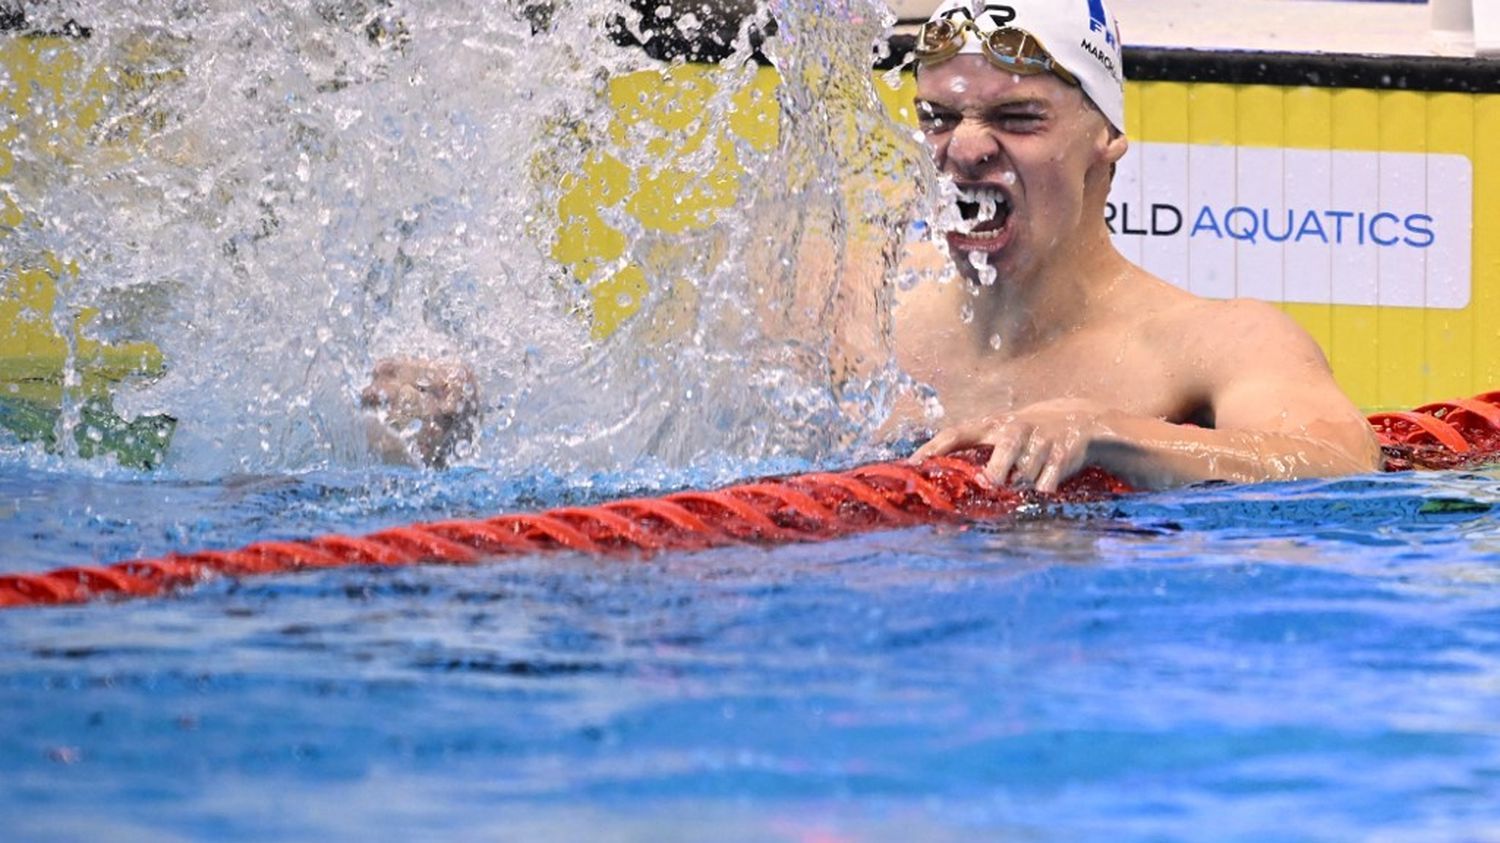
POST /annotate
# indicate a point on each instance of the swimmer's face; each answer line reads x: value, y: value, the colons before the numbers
x: 1031, y: 158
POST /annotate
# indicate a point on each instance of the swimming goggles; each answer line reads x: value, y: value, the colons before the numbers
x: 1007, y: 48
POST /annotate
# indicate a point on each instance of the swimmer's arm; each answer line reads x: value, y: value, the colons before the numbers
x: 882, y: 314
x: 1278, y: 415
x: 1152, y: 454
x: 1044, y: 444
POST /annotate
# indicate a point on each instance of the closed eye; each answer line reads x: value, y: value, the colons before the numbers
x: 933, y: 119
x: 1019, y: 121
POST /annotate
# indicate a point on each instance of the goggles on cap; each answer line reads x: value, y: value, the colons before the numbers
x: 1007, y: 48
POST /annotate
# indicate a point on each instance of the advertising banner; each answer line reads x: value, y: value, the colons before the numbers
x: 1387, y: 229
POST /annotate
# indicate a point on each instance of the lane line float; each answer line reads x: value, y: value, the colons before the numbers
x: 798, y: 508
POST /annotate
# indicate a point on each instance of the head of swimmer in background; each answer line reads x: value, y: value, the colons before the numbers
x: 1023, y: 104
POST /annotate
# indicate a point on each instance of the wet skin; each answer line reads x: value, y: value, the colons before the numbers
x: 423, y: 410
x: 1074, y: 356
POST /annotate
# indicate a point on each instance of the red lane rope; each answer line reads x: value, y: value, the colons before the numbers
x: 807, y: 507
x: 1461, y: 433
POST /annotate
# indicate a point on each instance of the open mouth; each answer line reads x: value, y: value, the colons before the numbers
x: 985, y: 214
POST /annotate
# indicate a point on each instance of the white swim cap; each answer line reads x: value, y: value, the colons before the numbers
x: 1080, y: 35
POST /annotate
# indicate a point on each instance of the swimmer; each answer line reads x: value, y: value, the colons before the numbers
x: 1067, y: 354
x: 1049, y: 345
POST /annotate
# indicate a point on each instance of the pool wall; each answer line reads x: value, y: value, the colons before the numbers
x: 54, y: 106
x: 1312, y: 142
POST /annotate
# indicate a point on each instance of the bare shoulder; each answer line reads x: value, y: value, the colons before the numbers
x: 928, y: 294
x: 1237, y: 331
x: 924, y: 277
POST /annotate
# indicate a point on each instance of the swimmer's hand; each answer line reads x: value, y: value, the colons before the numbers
x: 425, y: 411
x: 1038, y: 446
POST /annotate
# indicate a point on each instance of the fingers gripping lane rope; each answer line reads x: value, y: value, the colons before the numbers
x: 800, y: 508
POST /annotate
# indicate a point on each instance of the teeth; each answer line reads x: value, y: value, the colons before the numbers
x: 980, y: 194
x: 990, y: 201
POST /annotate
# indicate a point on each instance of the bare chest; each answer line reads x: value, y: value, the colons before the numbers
x: 1111, y: 369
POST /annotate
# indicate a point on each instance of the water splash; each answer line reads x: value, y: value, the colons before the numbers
x: 279, y: 195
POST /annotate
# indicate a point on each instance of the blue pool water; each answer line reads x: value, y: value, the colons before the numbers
x: 1312, y: 661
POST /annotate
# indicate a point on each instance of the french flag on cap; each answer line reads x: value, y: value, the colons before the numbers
x: 1099, y: 21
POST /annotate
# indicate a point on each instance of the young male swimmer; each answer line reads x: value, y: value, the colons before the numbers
x: 1073, y: 355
